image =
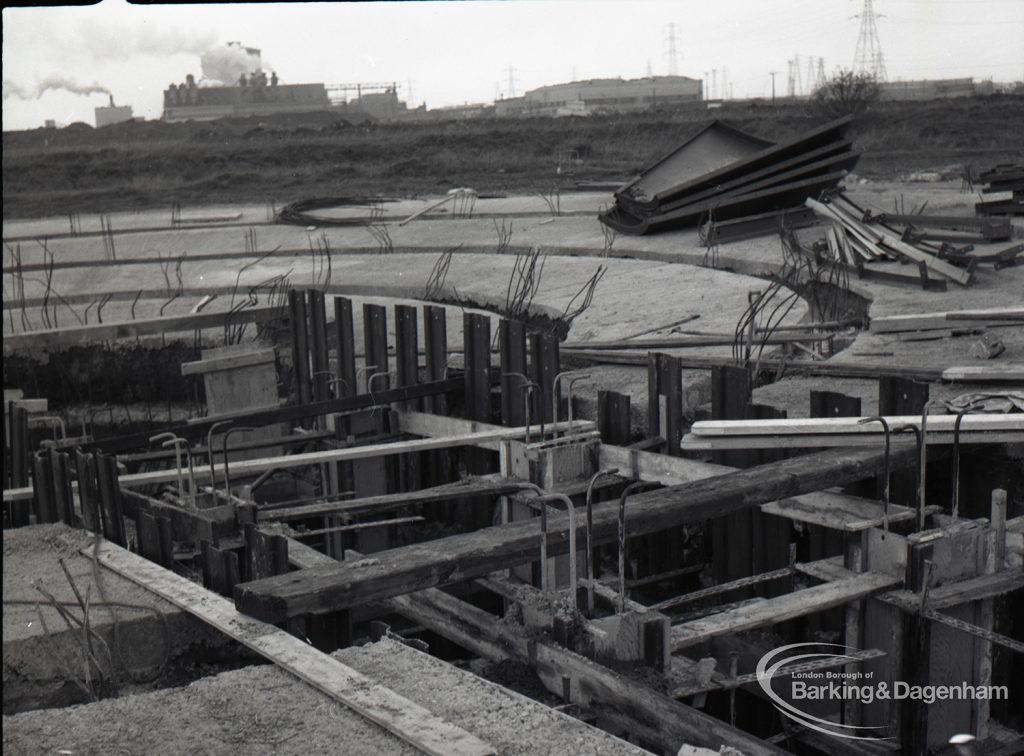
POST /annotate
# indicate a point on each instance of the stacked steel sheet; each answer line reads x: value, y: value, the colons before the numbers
x: 1006, y: 177
x: 723, y: 173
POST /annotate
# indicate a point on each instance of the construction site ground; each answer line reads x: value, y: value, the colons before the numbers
x: 649, y: 282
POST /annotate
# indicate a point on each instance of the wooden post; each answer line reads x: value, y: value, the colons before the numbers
x: 916, y: 656
x: 672, y: 386
x: 42, y: 488
x: 346, y: 369
x: 512, y: 338
x: 407, y: 360
x: 654, y: 360
x: 544, y: 366
x: 477, y: 350
x: 88, y: 495
x: 300, y: 346
x: 435, y: 338
x: 63, y: 498
x: 732, y: 543
x: 613, y: 417
x: 375, y: 339
x: 770, y: 535
x: 317, y: 340
x: 995, y: 555
x: 19, y: 461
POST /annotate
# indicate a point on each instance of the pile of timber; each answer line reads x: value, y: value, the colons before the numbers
x: 1006, y: 177
x: 857, y: 239
x: 732, y: 182
x: 805, y: 433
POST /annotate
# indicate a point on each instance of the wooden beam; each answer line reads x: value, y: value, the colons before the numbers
x: 961, y: 592
x: 652, y: 715
x: 837, y: 369
x: 228, y: 362
x: 928, y: 321
x: 252, y: 466
x: 852, y: 425
x: 426, y: 424
x: 474, y: 486
x: 464, y: 556
x: 55, y: 339
x: 776, y: 610
x: 683, y: 342
x: 985, y: 373
x: 382, y: 706
x: 830, y: 440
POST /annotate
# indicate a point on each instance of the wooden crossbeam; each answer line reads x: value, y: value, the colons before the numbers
x: 476, y: 486
x: 61, y: 338
x: 926, y: 321
x: 464, y: 556
x: 643, y: 710
x: 252, y: 466
x: 381, y: 705
x: 852, y: 425
x: 694, y: 442
x: 776, y: 610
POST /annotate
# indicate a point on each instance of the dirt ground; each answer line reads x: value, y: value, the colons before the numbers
x: 263, y: 710
x: 258, y: 710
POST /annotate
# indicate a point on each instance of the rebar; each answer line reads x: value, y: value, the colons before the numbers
x: 590, y: 530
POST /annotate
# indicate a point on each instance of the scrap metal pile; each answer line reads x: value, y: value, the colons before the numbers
x: 858, y: 238
x: 722, y: 173
x: 1005, y: 177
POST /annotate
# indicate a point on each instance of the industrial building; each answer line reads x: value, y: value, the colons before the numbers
x: 110, y: 114
x: 603, y: 95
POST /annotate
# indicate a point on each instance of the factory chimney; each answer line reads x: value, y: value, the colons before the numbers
x: 111, y: 99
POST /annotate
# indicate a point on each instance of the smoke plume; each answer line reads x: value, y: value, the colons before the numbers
x: 104, y: 41
x: 51, y: 82
x: 224, y: 65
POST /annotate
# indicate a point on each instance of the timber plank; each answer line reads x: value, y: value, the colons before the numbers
x: 468, y: 555
x: 776, y: 610
x: 851, y: 425
x: 379, y: 704
x: 62, y: 338
x: 475, y: 486
x: 818, y: 440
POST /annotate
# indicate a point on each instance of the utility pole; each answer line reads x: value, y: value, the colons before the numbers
x: 868, y: 57
x: 511, y: 81
x: 772, y: 74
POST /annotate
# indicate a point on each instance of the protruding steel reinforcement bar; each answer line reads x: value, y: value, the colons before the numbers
x: 590, y: 541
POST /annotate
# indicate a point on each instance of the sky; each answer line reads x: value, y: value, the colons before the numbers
x: 450, y: 53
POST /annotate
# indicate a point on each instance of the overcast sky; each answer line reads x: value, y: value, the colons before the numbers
x: 456, y: 52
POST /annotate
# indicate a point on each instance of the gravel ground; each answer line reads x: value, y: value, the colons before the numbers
x: 511, y: 723
x: 258, y: 710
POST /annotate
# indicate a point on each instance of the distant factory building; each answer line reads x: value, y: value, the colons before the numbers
x: 930, y: 89
x: 105, y: 116
x: 255, y: 94
x: 603, y: 96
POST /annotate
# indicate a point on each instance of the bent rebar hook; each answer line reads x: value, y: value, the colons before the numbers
x: 622, y: 540
x: 590, y: 541
x: 885, y: 488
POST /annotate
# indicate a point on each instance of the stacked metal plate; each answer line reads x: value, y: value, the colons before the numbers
x: 722, y: 173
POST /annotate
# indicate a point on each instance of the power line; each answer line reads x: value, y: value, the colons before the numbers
x: 868, y: 57
x: 673, y: 59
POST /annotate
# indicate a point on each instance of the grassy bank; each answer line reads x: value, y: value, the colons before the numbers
x: 154, y: 164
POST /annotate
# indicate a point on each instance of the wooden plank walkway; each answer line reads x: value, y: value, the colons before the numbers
x: 382, y: 706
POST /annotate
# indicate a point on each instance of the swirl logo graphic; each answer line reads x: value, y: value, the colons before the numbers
x: 807, y: 683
